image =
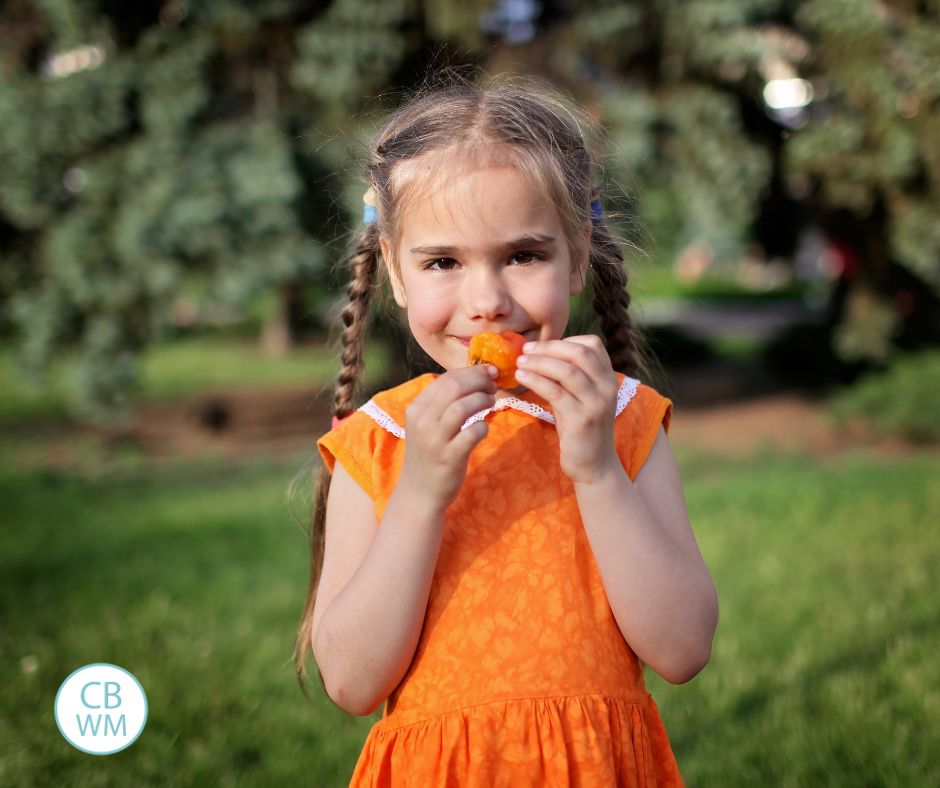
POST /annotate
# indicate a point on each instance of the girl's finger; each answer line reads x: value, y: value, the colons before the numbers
x: 550, y: 390
x: 591, y: 341
x: 569, y: 376
x: 458, y: 412
x: 452, y: 386
x: 585, y: 351
x: 470, y: 437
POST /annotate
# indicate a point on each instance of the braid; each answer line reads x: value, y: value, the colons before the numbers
x: 361, y: 286
x: 612, y: 302
x: 355, y: 317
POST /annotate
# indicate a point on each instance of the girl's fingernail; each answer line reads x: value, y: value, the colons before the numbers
x: 521, y: 373
x: 493, y: 372
x: 528, y: 346
x: 522, y: 360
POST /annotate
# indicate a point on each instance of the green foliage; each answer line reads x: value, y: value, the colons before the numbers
x: 676, y: 139
x: 676, y: 82
x: 174, y: 156
x: 718, y: 200
x: 900, y: 400
x: 915, y: 235
x: 174, y: 87
x: 350, y: 51
x: 876, y: 138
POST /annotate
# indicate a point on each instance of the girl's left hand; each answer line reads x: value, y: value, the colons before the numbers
x: 576, y: 378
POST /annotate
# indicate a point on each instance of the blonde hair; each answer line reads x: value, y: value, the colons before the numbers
x: 530, y: 127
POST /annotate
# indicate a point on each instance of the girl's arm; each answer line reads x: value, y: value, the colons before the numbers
x: 656, y: 581
x: 653, y: 573
x: 373, y: 591
x: 376, y: 581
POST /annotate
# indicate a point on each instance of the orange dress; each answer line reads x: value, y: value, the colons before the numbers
x: 521, y: 676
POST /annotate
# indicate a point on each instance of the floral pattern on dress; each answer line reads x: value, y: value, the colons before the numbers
x: 521, y: 676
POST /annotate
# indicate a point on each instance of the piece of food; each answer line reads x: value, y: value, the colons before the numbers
x: 500, y: 350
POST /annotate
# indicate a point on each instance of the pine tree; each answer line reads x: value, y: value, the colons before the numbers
x: 158, y: 150
x: 683, y: 89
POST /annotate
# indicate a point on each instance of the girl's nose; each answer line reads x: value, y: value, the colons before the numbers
x: 486, y: 295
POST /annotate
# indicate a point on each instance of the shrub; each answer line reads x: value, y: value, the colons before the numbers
x: 901, y: 399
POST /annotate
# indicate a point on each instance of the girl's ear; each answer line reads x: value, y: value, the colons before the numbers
x: 398, y: 289
x: 579, y: 266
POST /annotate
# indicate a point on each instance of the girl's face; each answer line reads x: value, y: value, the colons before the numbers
x: 483, y: 252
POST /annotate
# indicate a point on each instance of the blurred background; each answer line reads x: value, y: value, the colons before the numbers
x: 178, y: 181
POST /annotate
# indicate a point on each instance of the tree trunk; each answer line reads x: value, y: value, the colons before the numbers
x: 279, y: 330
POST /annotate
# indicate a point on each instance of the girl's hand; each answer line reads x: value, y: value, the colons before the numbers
x: 436, y: 449
x: 576, y: 377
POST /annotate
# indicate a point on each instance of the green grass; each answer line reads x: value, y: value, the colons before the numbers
x: 193, y: 581
x: 186, y: 366
x: 824, y: 671
x: 656, y: 280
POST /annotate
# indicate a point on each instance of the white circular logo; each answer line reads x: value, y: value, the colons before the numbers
x: 101, y: 709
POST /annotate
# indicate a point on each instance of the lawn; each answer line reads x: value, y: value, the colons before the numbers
x: 185, y: 366
x: 649, y: 280
x: 824, y: 669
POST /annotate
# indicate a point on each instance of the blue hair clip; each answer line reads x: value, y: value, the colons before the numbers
x: 369, y: 213
x: 597, y: 212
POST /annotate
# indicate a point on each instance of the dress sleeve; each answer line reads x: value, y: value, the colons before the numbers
x: 637, y: 427
x: 352, y: 443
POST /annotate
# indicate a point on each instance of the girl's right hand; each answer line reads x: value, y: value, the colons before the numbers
x: 436, y: 449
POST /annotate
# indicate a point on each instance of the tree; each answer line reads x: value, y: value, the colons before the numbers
x: 690, y: 93
x: 158, y: 149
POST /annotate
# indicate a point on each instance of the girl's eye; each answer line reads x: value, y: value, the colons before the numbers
x: 441, y: 264
x: 526, y: 257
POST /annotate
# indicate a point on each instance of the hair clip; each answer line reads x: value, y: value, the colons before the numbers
x: 597, y: 212
x: 369, y: 211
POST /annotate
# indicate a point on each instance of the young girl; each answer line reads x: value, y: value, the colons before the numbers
x: 497, y: 565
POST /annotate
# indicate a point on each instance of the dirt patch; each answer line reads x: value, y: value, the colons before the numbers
x: 711, y: 415
x: 287, y: 420
x: 233, y: 422
x: 785, y: 422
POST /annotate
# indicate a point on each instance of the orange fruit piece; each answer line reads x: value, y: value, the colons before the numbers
x: 500, y: 350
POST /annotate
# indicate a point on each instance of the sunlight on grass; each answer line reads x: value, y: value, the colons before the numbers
x: 195, y: 364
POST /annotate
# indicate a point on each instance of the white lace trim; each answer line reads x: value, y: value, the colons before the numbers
x: 625, y: 393
x: 516, y: 404
x: 383, y: 419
